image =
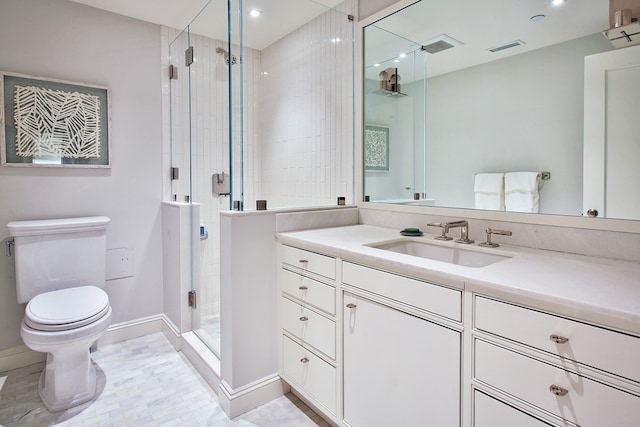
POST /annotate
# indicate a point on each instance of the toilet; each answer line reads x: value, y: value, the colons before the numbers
x: 60, y: 272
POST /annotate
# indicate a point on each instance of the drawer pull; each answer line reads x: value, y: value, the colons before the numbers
x: 304, y: 360
x: 303, y: 261
x: 303, y: 288
x: 351, y: 306
x: 304, y: 318
x: 557, y: 390
x: 558, y: 339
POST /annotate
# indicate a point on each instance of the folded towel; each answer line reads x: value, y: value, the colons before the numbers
x: 489, y: 191
x: 521, y: 192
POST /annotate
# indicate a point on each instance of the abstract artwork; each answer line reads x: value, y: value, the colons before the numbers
x: 376, y: 148
x: 53, y: 123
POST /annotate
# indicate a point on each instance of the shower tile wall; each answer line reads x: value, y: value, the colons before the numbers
x: 306, y: 114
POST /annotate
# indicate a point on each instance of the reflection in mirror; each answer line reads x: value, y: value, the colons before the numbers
x: 495, y: 88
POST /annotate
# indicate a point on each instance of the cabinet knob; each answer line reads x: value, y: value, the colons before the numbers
x: 303, y: 261
x: 304, y: 318
x: 302, y: 288
x: 558, y: 339
x: 557, y: 390
x: 351, y: 306
x: 304, y: 360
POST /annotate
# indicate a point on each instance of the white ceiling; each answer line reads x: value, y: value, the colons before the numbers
x: 279, y: 17
x: 479, y: 25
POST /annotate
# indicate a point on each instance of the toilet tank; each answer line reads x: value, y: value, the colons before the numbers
x: 55, y: 254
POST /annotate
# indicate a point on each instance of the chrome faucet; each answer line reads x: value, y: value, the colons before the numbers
x: 464, y: 231
x: 490, y: 231
x: 445, y: 226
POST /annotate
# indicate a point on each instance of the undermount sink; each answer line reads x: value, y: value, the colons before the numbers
x: 451, y: 255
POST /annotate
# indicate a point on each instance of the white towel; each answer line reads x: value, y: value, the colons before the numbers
x: 521, y: 192
x: 489, y: 191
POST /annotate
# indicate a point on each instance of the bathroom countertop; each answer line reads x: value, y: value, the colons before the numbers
x: 596, y: 290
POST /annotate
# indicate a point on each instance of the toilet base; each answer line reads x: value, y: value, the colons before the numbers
x: 67, y: 380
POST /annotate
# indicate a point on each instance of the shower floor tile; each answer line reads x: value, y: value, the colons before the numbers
x: 142, y: 382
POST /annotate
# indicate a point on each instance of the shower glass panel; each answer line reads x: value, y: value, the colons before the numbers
x: 394, y: 118
x: 199, y: 102
x: 264, y: 111
x: 180, y: 104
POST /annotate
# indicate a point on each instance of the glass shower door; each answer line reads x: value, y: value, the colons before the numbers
x: 200, y: 149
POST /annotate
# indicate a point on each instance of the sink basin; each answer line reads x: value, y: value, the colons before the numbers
x: 451, y: 255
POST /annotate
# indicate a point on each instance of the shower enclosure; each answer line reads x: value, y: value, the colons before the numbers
x: 261, y: 108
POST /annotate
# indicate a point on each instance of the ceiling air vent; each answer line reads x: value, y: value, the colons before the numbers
x: 506, y: 46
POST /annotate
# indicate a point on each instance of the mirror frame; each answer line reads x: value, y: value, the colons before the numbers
x: 604, y: 224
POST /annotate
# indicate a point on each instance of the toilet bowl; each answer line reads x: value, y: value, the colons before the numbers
x: 64, y: 324
x: 60, y: 270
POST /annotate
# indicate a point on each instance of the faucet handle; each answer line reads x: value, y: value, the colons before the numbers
x: 490, y: 231
x: 443, y: 228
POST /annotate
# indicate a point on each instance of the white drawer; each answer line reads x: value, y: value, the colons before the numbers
x: 490, y: 412
x: 312, y: 262
x: 586, y: 402
x: 307, y: 371
x: 437, y: 299
x: 311, y: 327
x: 601, y: 348
x: 309, y: 291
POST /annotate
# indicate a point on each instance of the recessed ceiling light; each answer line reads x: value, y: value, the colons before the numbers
x: 396, y: 60
x: 376, y: 65
x: 255, y: 13
x: 537, y: 18
x: 402, y: 55
x: 335, y: 40
x: 557, y: 2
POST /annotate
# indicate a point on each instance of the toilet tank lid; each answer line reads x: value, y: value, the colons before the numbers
x: 54, y: 226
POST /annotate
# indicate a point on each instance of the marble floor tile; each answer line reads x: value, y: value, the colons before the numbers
x: 142, y: 382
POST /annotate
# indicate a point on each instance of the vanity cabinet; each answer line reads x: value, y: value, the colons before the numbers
x: 570, y: 370
x: 308, y: 325
x: 399, y: 368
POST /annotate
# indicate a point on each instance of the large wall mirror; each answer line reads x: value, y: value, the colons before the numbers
x: 457, y: 91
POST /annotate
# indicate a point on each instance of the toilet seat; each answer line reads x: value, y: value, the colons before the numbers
x: 66, y: 309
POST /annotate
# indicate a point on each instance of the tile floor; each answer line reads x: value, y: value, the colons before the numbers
x: 142, y: 382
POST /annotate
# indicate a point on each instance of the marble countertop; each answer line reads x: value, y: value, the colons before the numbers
x: 595, y: 290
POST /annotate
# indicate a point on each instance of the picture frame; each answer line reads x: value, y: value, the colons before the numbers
x: 376, y: 148
x: 53, y: 123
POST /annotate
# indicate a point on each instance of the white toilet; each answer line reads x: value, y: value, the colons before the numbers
x: 60, y: 270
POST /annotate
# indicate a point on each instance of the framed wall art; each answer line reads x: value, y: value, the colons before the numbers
x: 53, y: 123
x: 376, y: 148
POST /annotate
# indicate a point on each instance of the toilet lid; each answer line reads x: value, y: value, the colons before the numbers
x: 66, y: 308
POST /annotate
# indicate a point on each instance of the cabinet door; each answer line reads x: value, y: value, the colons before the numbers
x: 399, y: 370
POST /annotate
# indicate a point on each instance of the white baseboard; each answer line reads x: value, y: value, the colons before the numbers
x: 172, y: 333
x: 237, y: 402
x: 21, y: 356
x: 132, y: 329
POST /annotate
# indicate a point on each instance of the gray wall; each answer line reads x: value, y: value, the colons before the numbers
x: 64, y: 40
x: 521, y: 113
